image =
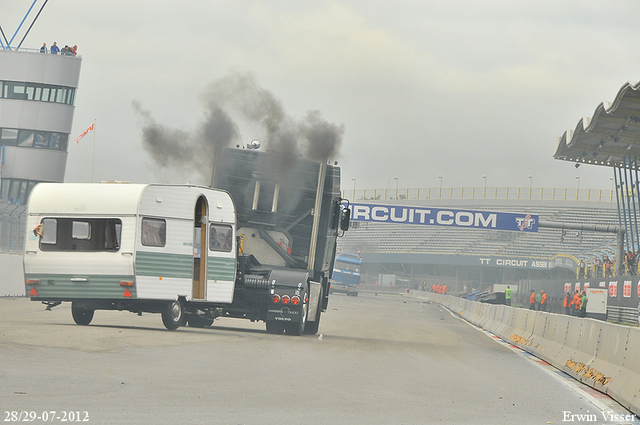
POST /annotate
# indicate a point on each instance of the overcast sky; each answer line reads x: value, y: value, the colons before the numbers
x: 423, y: 88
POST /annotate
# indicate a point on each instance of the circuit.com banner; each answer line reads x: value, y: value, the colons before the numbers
x: 444, y: 217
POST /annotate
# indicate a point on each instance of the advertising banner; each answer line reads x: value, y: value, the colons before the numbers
x: 518, y: 222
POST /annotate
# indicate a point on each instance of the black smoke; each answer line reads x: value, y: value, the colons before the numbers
x: 238, y: 95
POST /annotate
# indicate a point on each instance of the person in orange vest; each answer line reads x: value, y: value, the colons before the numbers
x: 543, y: 301
x: 567, y: 303
x: 532, y: 300
x: 575, y: 303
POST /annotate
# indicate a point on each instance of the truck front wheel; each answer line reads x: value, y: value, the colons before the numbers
x: 172, y: 315
x: 82, y: 316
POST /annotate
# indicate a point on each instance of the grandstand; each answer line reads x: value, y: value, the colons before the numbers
x: 481, y: 258
x: 478, y: 258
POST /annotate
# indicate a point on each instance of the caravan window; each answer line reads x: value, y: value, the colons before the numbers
x: 154, y: 232
x: 81, y: 230
x: 221, y: 238
x: 49, y: 231
x: 68, y: 234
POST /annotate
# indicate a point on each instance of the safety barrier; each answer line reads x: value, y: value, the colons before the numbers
x: 600, y: 354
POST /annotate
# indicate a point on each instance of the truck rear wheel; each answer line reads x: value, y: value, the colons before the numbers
x: 82, y: 316
x: 173, y: 315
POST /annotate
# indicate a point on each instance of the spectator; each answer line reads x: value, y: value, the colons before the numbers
x: 532, y: 300
x: 567, y: 303
x: 507, y: 295
x: 598, y: 267
x: 543, y: 301
x: 583, y: 304
x: 574, y: 302
x: 55, y: 49
x: 539, y: 300
x: 608, y: 268
x: 43, y: 49
x: 74, y: 49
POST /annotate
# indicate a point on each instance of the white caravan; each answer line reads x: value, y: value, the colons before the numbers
x: 111, y: 243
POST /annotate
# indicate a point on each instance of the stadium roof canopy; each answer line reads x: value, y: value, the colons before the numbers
x: 611, y: 137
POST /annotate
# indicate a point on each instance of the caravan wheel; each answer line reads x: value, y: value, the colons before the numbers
x: 172, y: 315
x: 82, y: 316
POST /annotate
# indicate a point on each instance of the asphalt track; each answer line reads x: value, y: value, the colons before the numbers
x: 379, y: 360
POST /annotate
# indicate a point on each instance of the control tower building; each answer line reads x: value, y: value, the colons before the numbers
x: 37, y: 94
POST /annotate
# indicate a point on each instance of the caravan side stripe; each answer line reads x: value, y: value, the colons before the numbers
x: 221, y: 269
x: 164, y: 264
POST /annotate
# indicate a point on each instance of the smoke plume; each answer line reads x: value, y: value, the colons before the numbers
x: 238, y: 95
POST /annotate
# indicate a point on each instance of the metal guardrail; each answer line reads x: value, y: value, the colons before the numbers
x: 508, y: 193
x: 622, y: 314
x: 37, y: 50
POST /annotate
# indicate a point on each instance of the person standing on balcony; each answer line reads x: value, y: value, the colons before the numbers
x: 55, y: 49
x: 43, y: 49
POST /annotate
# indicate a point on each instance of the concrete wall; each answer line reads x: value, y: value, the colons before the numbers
x: 600, y: 354
x: 11, y: 275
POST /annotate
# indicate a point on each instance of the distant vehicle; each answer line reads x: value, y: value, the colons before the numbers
x: 346, y: 274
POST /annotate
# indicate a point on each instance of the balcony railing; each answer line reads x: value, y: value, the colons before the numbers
x: 476, y: 193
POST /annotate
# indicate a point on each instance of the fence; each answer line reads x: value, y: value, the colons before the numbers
x: 12, y: 228
x: 511, y: 193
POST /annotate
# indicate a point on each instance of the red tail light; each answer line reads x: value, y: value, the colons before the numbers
x: 33, y: 282
x: 275, y: 298
x: 295, y: 300
x: 285, y: 299
x: 126, y: 283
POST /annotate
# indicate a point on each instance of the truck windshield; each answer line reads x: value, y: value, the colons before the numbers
x: 80, y: 234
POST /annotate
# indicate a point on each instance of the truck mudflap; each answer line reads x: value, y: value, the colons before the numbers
x: 287, y: 309
x: 315, y: 291
x: 285, y: 314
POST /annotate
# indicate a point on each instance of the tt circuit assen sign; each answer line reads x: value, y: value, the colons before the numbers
x: 444, y: 217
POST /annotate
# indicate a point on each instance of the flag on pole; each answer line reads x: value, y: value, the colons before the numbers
x: 91, y: 127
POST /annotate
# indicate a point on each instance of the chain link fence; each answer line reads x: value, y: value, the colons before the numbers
x: 13, y: 223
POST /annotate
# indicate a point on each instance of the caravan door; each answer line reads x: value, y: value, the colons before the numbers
x: 200, y: 251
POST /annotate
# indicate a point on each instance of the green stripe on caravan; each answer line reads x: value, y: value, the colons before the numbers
x: 164, y: 264
x: 221, y: 268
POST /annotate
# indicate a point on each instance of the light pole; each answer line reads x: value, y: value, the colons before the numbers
x: 530, y: 185
x: 578, y: 191
x: 484, y: 194
x: 440, y: 194
x: 354, y: 188
x: 396, y: 177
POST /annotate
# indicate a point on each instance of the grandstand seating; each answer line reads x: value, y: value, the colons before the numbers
x: 546, y: 243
